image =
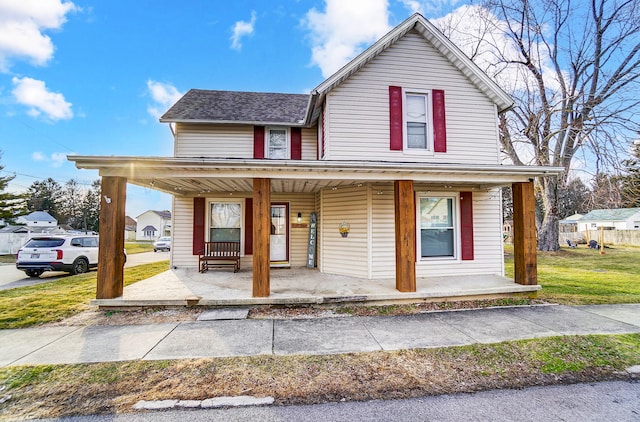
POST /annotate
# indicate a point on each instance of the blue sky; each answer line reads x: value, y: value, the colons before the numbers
x: 92, y: 77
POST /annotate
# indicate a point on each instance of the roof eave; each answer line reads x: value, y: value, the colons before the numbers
x: 300, y: 123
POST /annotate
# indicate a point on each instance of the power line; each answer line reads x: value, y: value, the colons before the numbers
x: 80, y: 182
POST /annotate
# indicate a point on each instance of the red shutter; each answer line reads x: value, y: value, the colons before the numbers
x: 258, y: 142
x: 296, y: 143
x: 439, y: 123
x: 198, y: 225
x: 466, y: 225
x: 395, y: 118
x: 248, y: 226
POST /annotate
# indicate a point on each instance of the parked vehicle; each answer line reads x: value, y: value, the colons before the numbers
x: 162, y: 244
x: 74, y: 254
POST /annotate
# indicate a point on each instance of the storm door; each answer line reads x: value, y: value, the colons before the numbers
x: 279, y: 249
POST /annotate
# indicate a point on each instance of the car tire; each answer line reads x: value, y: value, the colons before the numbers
x: 155, y: 250
x: 34, y: 273
x: 79, y: 266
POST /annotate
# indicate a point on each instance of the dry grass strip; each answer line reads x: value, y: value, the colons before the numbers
x: 64, y: 390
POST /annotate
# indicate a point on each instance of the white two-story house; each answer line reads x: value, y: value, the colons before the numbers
x: 396, y: 156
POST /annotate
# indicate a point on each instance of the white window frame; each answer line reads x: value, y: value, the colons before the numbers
x: 427, y: 95
x: 457, y: 242
x: 239, y: 201
x: 267, y: 138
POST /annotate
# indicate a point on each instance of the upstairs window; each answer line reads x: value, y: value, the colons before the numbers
x: 277, y: 144
x: 416, y: 121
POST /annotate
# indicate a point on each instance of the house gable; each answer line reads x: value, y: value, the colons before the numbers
x: 359, y: 112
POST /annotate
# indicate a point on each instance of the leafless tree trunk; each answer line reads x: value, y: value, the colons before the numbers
x: 573, y: 69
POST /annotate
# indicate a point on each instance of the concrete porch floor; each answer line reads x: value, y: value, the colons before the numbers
x: 222, y: 287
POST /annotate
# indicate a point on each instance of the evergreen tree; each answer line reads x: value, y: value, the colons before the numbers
x: 630, y: 182
x: 45, y: 195
x: 11, y: 205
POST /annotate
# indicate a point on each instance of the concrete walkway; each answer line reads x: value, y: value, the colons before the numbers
x: 218, y: 333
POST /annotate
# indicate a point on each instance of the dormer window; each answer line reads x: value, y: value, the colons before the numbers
x: 277, y: 144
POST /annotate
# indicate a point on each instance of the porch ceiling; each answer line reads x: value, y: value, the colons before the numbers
x: 193, y: 176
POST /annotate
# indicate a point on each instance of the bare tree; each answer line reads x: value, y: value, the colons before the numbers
x: 573, y: 69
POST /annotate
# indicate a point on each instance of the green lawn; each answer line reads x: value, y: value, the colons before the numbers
x: 584, y: 276
x: 56, y: 300
x: 135, y: 247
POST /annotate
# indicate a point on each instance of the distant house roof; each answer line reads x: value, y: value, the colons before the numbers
x: 15, y: 229
x: 165, y: 214
x: 39, y: 216
x: 149, y: 229
x: 206, y: 106
x: 617, y: 214
x: 130, y: 224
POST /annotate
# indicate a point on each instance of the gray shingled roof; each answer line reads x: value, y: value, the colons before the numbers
x: 617, y: 214
x: 200, y: 105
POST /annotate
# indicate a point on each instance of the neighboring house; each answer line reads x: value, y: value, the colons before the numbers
x: 397, y: 155
x: 151, y: 225
x: 129, y: 229
x: 570, y: 224
x: 38, y: 219
x: 614, y: 219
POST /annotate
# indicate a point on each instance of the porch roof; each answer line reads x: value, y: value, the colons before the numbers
x: 193, y: 176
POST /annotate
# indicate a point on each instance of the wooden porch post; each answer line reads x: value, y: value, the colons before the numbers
x: 524, y: 234
x: 261, y: 236
x: 405, y: 217
x: 111, y: 244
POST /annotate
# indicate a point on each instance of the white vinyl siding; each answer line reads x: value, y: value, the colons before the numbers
x: 182, y: 242
x: 228, y: 141
x: 216, y: 141
x: 349, y: 255
x: 358, y: 109
x: 383, y: 231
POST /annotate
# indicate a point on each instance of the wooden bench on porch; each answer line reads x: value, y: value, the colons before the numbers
x: 219, y: 254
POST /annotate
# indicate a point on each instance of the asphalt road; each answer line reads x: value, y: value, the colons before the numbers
x: 606, y: 401
x: 10, y: 277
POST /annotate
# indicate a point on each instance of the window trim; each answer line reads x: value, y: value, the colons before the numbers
x: 267, y: 137
x: 238, y: 201
x: 428, y: 100
x: 457, y: 241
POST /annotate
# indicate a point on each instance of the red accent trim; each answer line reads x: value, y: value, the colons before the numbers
x: 395, y: 118
x: 258, y: 142
x: 466, y: 225
x: 439, y: 122
x: 198, y: 225
x: 296, y: 143
x: 248, y: 226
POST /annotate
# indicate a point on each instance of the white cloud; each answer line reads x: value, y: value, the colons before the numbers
x: 56, y: 159
x: 164, y: 95
x: 344, y: 29
x: 34, y: 94
x: 242, y: 29
x: 22, y: 24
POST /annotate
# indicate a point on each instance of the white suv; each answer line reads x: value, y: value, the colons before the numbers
x: 74, y: 254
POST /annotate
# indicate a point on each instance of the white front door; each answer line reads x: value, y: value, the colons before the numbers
x: 279, y: 228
